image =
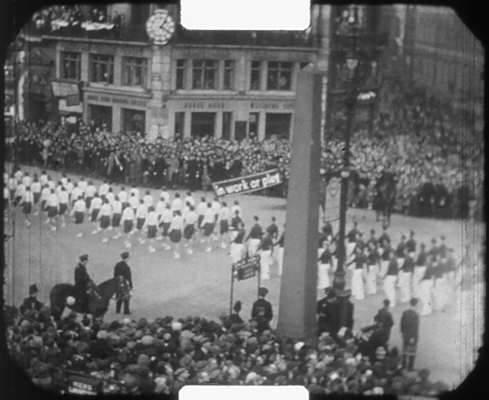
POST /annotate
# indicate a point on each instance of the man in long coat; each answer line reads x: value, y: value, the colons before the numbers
x: 410, y: 335
x: 123, y: 271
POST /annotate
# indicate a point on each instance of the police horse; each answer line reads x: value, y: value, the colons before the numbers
x: 62, y: 295
x: 385, y: 197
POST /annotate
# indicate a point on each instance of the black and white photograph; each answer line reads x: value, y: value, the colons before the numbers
x: 244, y: 207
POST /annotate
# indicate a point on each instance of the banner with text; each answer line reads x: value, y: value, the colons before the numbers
x: 247, y: 184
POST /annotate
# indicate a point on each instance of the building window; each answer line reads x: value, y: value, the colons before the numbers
x: 70, y: 65
x: 203, y: 124
x: 278, y: 125
x: 253, y: 121
x: 204, y: 74
x: 279, y: 75
x: 133, y: 121
x: 135, y: 71
x: 304, y: 65
x: 227, y: 120
x: 181, y: 82
x: 102, y: 68
x: 179, y: 125
x: 255, y: 81
x: 228, y: 81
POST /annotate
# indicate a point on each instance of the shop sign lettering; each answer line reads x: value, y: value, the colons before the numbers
x: 202, y: 105
x: 271, y: 106
x: 117, y: 100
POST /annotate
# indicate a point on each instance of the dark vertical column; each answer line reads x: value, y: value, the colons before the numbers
x: 297, y: 314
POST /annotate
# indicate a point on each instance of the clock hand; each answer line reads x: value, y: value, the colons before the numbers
x: 163, y: 23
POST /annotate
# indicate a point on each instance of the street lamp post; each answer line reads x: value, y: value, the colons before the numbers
x: 352, y: 65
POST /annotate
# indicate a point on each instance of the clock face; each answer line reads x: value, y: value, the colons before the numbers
x: 160, y: 27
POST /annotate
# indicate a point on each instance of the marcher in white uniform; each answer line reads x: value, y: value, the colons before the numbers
x: 224, y: 216
x: 216, y: 207
x: 127, y: 222
x: 265, y: 249
x: 26, y: 180
x: 44, y: 178
x: 148, y: 199
x: 104, y: 218
x: 190, y: 221
x: 208, y: 226
x: 237, y: 243
x: 176, y: 228
x: 12, y: 185
x: 133, y: 202
x: 76, y: 193
x: 103, y: 190
x: 83, y: 185
x: 36, y: 191
x: 19, y: 192
x: 407, y: 270
x: 69, y: 188
x: 189, y: 199
x: 26, y: 202
x: 53, y: 209
x: 134, y: 190
x: 359, y: 272
x: 325, y: 260
x: 177, y: 204
x: 165, y: 222
x: 78, y: 210
x: 110, y: 197
x: 141, y: 215
x: 279, y: 248
x: 165, y: 195
x: 123, y: 197
x: 391, y: 278
x: 94, y: 211
x: 63, y: 199
x: 64, y: 180
x: 116, y: 217
x: 426, y: 286
x: 50, y: 183
x: 201, y: 209
x: 151, y: 225
x: 45, y: 193
x: 419, y: 271
x: 89, y: 194
x: 236, y: 207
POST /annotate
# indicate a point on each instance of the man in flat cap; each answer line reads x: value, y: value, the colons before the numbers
x: 262, y: 309
x: 82, y: 280
x: 123, y: 272
x: 31, y: 302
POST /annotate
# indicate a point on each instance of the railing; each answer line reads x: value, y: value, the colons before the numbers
x: 125, y: 33
x: 245, y: 38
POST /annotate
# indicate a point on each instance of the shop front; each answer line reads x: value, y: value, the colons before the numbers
x: 231, y: 119
x: 119, y: 113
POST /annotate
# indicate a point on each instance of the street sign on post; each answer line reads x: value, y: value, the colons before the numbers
x: 242, y: 270
x: 332, y: 200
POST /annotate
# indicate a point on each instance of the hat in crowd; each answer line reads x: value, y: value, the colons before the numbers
x: 124, y: 255
x: 33, y: 289
x: 147, y: 340
x: 84, y: 257
x: 263, y: 291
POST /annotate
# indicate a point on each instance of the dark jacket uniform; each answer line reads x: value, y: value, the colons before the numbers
x: 81, y: 276
x: 262, y: 306
x: 410, y: 326
x: 122, y: 269
x: 384, y: 318
x: 326, y: 315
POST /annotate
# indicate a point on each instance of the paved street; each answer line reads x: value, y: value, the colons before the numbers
x: 199, y: 284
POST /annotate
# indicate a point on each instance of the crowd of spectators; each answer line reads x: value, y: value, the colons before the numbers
x: 434, y: 156
x: 163, y: 355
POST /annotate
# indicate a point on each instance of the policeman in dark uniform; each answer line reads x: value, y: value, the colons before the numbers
x: 410, y: 335
x: 31, y: 302
x: 82, y: 279
x: 262, y: 309
x: 411, y: 244
x: 326, y: 312
x: 273, y: 229
x: 122, y: 270
x: 384, y: 317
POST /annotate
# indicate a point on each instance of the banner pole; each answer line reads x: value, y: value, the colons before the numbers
x: 232, y: 290
x: 259, y: 277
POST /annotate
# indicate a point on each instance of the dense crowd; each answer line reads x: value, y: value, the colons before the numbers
x: 433, y: 153
x: 163, y: 355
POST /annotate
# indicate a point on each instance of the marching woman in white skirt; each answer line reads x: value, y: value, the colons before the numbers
x: 357, y: 287
x: 419, y: 271
x: 63, y: 199
x: 189, y: 231
x: 104, y: 217
x: 141, y: 215
x: 78, y: 210
x: 373, y: 262
x: 237, y: 244
x: 26, y: 202
x: 53, y: 209
x: 127, y: 222
x: 176, y: 232
x: 45, y: 193
x: 384, y: 252
x: 165, y: 222
x: 279, y: 248
x: 152, y: 226
x: 116, y: 217
x: 93, y: 212
x: 325, y: 261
